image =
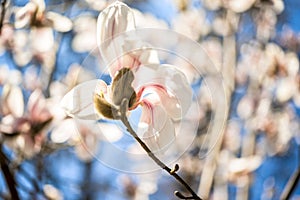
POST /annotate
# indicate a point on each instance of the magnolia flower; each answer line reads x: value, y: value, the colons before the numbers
x: 39, y: 42
x: 159, y: 89
x: 26, y: 134
x: 34, y: 14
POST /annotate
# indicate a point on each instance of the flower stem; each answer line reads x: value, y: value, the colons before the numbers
x: 172, y: 172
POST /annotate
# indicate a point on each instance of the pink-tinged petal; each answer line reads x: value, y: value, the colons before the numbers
x: 135, y: 53
x: 115, y: 19
x: 79, y: 101
x: 37, y: 108
x: 125, y: 61
x: 169, y: 83
x: 13, y: 102
x: 155, y: 126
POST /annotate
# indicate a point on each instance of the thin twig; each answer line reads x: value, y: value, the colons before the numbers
x: 172, y: 172
x: 9, y: 178
x: 3, y: 3
x: 291, y: 185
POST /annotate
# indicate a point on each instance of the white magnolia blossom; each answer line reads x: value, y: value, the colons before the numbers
x: 161, y: 90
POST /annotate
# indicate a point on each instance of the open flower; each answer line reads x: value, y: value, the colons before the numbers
x: 38, y: 43
x: 26, y: 134
x: 160, y: 89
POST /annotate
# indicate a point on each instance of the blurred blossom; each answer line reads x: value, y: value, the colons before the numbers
x: 129, y: 186
x: 191, y: 23
x: 85, y: 136
x: 278, y: 133
x: 276, y: 5
x: 12, y: 100
x: 39, y: 42
x: 85, y: 30
x: 289, y: 39
x: 213, y: 48
x: 22, y: 53
x: 34, y: 14
x: 268, y: 189
x: 212, y: 4
x: 148, y: 20
x: 6, y: 39
x: 31, y: 79
x: 97, y: 4
x: 142, y: 188
x: 243, y: 166
x: 225, y: 25
x: 77, y: 74
x: 4, y: 70
x: 238, y: 6
x: 52, y: 193
x: 232, y: 137
x: 266, y: 21
x: 245, y: 107
x: 26, y: 134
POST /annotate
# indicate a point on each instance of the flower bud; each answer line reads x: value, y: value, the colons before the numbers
x: 112, y: 21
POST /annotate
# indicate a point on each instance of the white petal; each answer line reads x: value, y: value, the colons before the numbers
x: 79, y: 101
x: 115, y: 19
x: 240, y: 5
x: 170, y: 84
x: 60, y: 22
x: 13, y: 100
x: 52, y: 192
x: 64, y: 131
x: 42, y: 39
x: 24, y: 15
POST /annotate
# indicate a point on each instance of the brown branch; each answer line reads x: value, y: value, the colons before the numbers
x: 3, y: 3
x: 172, y: 172
x: 291, y: 185
x: 9, y: 178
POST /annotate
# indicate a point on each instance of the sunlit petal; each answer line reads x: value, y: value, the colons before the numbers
x: 42, y: 39
x: 240, y: 5
x: 79, y: 101
x: 13, y: 101
x: 60, y: 23
x: 64, y: 131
